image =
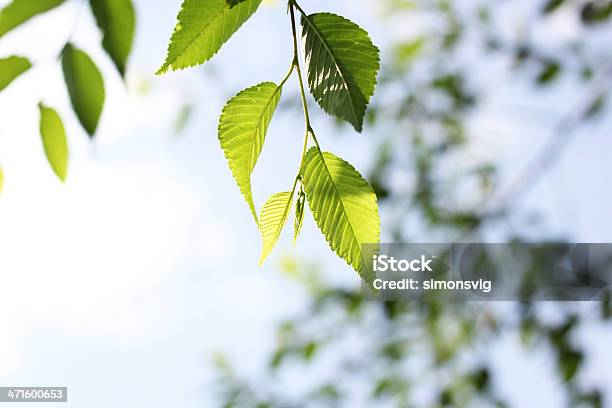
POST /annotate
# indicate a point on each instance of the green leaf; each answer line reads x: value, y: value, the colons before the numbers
x: 19, y: 11
x: 299, y: 215
x: 11, y: 68
x: 117, y: 20
x: 85, y: 87
x: 552, y: 5
x: 273, y: 218
x: 203, y: 27
x: 342, y: 65
x: 343, y: 205
x: 54, y: 140
x: 549, y: 72
x: 594, y: 12
x: 242, y: 131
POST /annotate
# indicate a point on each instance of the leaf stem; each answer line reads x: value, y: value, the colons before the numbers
x: 296, y: 63
x: 287, y: 76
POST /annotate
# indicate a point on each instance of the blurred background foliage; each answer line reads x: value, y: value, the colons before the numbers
x: 345, y: 351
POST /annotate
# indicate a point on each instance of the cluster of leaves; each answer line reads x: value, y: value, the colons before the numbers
x: 342, y: 66
x: 350, y: 351
x: 116, y: 20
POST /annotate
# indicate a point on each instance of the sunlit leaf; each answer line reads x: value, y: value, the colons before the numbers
x: 203, y: 27
x: 242, y: 131
x: 18, y: 12
x: 343, y: 205
x: 117, y: 20
x: 342, y: 65
x: 85, y: 87
x: 54, y: 140
x: 273, y: 218
x: 11, y: 68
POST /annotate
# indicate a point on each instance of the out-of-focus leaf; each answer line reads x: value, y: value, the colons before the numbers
x: 19, y: 11
x: 454, y: 86
x: 182, y: 119
x: 278, y: 357
x: 552, y: 5
x: 54, y: 140
x: 480, y: 379
x: 85, y: 87
x: 549, y: 72
x: 1, y: 179
x: 596, y: 106
x: 117, y: 20
x: 407, y: 52
x: 596, y: 11
x: 202, y: 29
x: 309, y: 350
x: 569, y: 362
x: 11, y: 68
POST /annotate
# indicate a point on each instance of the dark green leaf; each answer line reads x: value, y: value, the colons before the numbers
x: 595, y: 12
x: 548, y: 73
x: 203, y: 27
x: 117, y: 20
x: 11, y: 68
x: 19, y: 11
x: 342, y: 65
x: 85, y: 87
x: 54, y: 140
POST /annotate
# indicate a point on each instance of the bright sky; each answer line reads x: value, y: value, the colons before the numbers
x: 121, y: 282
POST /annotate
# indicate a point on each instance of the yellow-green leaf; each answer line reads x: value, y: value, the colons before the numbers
x: 18, y: 12
x: 273, y: 218
x: 343, y: 205
x: 203, y: 27
x: 117, y: 20
x: 342, y: 65
x: 54, y: 140
x: 242, y: 131
x: 299, y: 215
x: 11, y: 68
x: 85, y: 87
